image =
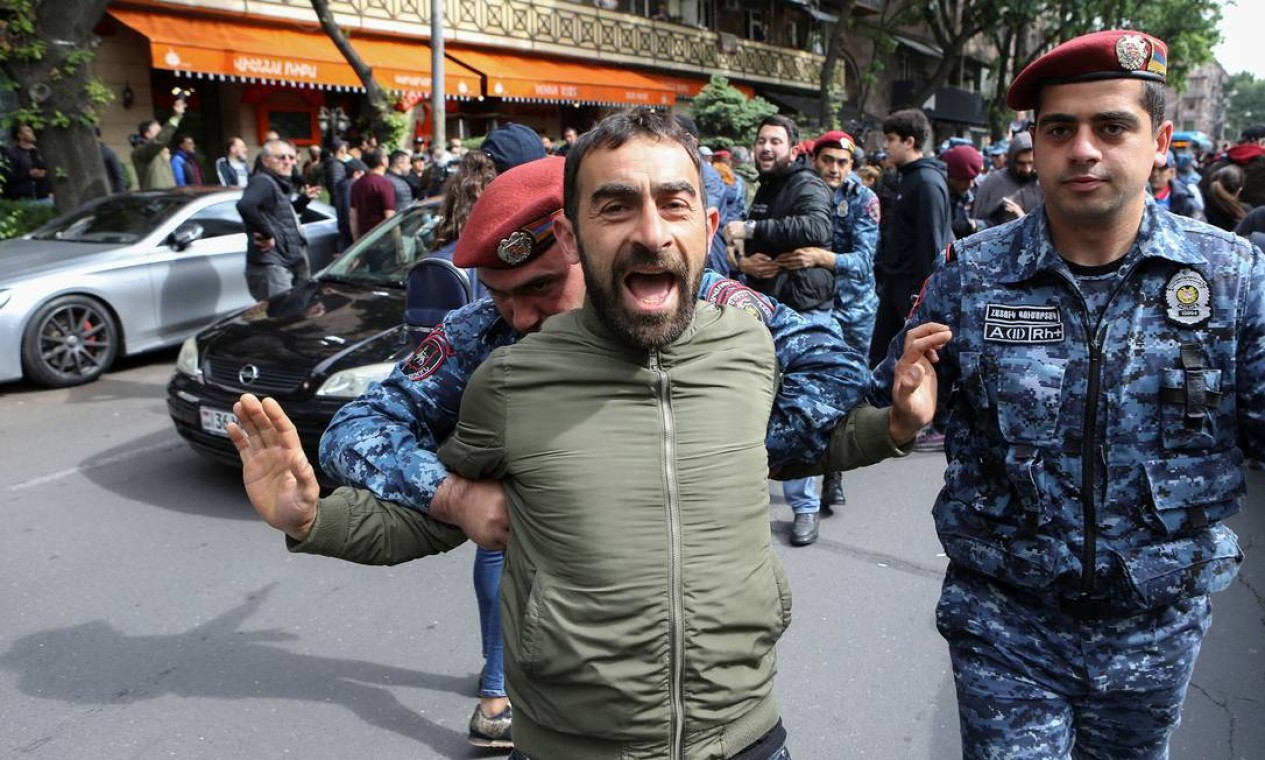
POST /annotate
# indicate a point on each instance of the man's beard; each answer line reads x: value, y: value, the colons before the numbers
x: 642, y: 330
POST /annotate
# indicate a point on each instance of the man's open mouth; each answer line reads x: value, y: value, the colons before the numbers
x: 651, y: 290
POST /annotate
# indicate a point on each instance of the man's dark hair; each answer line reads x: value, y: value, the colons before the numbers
x: 143, y: 127
x: 395, y: 155
x: 372, y: 159
x: 785, y: 122
x: 907, y: 123
x: 186, y: 136
x: 1252, y: 133
x: 611, y: 133
x: 1154, y: 102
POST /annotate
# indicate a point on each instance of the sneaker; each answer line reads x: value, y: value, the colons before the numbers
x: 929, y: 440
x: 491, y: 731
x: 804, y: 529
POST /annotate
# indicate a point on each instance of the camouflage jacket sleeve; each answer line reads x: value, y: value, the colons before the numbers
x: 855, y: 257
x: 821, y: 378
x: 354, y: 525
x: 385, y: 441
x: 939, y: 301
x: 1251, y: 362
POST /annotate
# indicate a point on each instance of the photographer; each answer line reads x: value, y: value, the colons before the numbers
x: 150, y: 155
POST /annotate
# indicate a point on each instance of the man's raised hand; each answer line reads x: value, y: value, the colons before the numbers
x: 914, y: 381
x: 279, y: 480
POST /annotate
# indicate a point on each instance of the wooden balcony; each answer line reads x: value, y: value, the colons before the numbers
x: 558, y: 28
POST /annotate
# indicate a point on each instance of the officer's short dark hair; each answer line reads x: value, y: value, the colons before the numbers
x: 372, y: 158
x: 907, y: 123
x: 611, y: 133
x: 785, y: 122
x: 395, y: 155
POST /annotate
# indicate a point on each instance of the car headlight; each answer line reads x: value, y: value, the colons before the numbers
x: 350, y: 383
x: 187, y: 361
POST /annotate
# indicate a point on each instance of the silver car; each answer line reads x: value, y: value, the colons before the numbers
x: 126, y: 274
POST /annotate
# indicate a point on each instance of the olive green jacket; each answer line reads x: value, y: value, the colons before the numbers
x: 641, y: 600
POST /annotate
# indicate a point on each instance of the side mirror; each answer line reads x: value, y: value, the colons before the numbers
x: 184, y: 235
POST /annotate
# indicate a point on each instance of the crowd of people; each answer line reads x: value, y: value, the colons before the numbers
x: 1093, y: 358
x: 1074, y: 322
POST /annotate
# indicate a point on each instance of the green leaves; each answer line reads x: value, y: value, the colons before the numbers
x: 725, y: 117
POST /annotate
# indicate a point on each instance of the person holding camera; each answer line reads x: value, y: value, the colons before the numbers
x: 150, y: 155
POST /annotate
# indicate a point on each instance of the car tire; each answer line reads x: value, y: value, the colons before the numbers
x: 71, y: 340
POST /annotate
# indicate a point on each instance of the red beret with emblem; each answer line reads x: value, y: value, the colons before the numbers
x: 835, y: 139
x: 512, y: 222
x: 1113, y: 54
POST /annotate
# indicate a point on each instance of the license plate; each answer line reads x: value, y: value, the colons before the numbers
x: 216, y: 420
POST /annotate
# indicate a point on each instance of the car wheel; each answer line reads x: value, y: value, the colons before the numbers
x: 70, y: 341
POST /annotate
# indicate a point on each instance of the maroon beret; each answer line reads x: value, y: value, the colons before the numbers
x: 1113, y: 54
x: 835, y: 139
x: 964, y: 162
x: 512, y: 222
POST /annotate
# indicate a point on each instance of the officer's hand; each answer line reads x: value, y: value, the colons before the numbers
x: 735, y: 230
x: 279, y: 480
x: 803, y: 258
x: 1010, y: 207
x: 914, y: 381
x: 264, y: 244
x: 478, y: 507
x: 758, y: 265
x: 179, y: 106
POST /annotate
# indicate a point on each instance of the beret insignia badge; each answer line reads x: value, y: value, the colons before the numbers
x: 1131, y: 52
x: 516, y: 248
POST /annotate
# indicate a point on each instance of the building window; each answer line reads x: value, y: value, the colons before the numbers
x: 756, y: 29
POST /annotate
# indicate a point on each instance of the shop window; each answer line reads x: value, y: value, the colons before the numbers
x: 298, y: 125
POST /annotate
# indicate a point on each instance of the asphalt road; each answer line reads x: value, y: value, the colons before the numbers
x: 146, y: 613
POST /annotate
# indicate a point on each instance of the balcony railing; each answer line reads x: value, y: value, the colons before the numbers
x: 557, y: 27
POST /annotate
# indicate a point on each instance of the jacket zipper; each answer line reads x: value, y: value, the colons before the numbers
x: 1096, y: 335
x: 676, y: 604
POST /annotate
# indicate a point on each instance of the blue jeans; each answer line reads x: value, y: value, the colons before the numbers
x: 803, y: 494
x: 487, y: 589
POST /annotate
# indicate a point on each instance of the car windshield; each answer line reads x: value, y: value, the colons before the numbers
x: 389, y: 251
x: 121, y: 219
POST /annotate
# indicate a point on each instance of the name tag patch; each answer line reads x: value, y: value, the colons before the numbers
x: 1023, y: 324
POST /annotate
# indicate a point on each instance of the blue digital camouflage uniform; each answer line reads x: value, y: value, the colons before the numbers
x: 1091, y: 460
x: 385, y: 440
x: 855, y: 220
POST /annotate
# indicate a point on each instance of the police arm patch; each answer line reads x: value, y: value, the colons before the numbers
x: 430, y: 355
x: 732, y: 293
x: 873, y: 209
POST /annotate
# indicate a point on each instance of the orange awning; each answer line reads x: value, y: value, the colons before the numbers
x: 245, y: 51
x: 690, y: 87
x: 531, y: 78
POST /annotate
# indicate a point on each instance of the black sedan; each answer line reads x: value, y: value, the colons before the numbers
x: 313, y: 349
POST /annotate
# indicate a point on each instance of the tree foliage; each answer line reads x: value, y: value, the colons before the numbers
x: 46, y: 54
x: 725, y: 117
x: 1018, y: 31
x: 1245, y: 102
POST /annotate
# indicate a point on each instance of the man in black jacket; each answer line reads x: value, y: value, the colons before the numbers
x: 790, y: 210
x: 276, y: 255
x: 920, y: 228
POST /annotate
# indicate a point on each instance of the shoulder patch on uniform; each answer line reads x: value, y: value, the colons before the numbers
x: 732, y: 293
x: 872, y: 208
x: 430, y: 355
x: 1022, y: 324
x: 1187, y: 298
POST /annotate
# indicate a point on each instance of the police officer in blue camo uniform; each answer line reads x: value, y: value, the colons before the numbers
x: 855, y: 221
x: 1109, y: 365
